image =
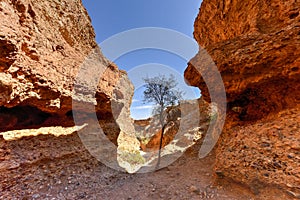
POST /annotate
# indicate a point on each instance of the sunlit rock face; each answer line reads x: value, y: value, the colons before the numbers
x: 255, y: 45
x: 43, y: 45
x: 52, y: 70
x: 128, y: 150
x: 149, y: 131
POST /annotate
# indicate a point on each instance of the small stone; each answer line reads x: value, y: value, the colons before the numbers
x: 13, y: 69
x: 276, y: 164
x: 220, y: 174
x: 82, y: 195
x: 193, y: 188
x: 62, y: 173
x: 277, y: 127
x: 295, y: 146
x: 293, y: 194
x: 35, y: 196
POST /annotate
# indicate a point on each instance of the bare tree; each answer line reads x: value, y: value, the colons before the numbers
x: 163, y: 92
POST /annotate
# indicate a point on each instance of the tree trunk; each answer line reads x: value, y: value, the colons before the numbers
x: 161, y: 139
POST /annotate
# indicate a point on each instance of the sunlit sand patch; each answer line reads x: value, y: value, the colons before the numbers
x: 56, y: 131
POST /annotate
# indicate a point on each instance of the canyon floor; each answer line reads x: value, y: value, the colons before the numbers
x: 80, y: 176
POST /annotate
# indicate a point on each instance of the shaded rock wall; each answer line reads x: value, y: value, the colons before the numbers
x: 255, y: 45
x: 263, y: 153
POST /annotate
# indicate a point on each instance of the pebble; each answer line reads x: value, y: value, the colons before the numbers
x: 193, y: 188
x: 220, y: 174
x: 82, y: 195
x: 296, y: 195
x: 35, y: 196
x: 277, y: 127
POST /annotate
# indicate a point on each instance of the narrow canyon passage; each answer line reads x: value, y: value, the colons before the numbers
x: 67, y: 129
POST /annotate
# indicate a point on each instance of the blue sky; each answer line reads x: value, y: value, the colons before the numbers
x: 110, y: 17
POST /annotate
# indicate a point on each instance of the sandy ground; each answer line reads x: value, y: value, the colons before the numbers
x: 80, y: 176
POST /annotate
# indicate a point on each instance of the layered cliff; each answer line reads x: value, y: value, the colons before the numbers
x: 43, y: 45
x: 256, y: 47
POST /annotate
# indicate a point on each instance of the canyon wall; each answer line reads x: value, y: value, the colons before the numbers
x: 256, y: 47
x: 43, y: 45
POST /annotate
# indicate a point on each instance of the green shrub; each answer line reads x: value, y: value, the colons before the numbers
x: 133, y: 157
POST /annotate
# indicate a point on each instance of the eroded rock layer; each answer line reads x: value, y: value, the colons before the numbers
x: 256, y: 47
x: 43, y: 44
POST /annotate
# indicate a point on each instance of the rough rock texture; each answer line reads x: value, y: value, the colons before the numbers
x: 154, y: 142
x: 228, y: 19
x: 266, y: 152
x: 53, y: 75
x: 256, y: 50
x: 128, y: 144
x: 256, y: 47
x: 70, y: 172
x: 48, y: 42
x: 42, y: 47
x: 149, y: 131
